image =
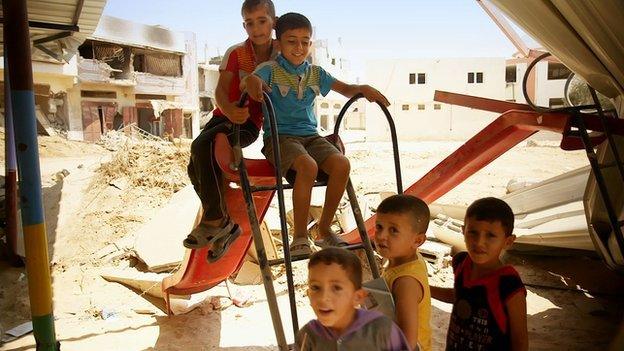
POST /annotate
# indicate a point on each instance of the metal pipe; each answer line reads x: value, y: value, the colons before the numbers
x: 393, y: 136
x: 10, y: 170
x: 265, y: 268
x: 357, y: 213
x: 282, y: 212
x: 35, y: 239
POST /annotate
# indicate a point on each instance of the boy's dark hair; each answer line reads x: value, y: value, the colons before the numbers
x: 416, y: 208
x: 289, y: 21
x: 491, y: 209
x: 342, y: 257
x: 250, y: 5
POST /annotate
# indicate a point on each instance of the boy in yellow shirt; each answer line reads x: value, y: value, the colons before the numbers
x: 402, y: 221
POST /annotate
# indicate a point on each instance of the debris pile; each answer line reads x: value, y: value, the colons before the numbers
x: 144, y: 162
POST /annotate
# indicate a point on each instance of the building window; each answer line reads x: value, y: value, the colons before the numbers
x: 421, y: 78
x: 405, y: 107
x: 557, y: 71
x: 337, y: 106
x: 205, y: 104
x: 437, y: 106
x: 324, y: 105
x: 471, y: 77
x: 510, y: 74
x: 421, y: 107
x: 324, y: 122
x: 98, y: 94
x: 556, y: 102
x: 150, y: 97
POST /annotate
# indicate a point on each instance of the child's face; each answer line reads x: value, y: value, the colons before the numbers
x: 395, y: 236
x: 333, y: 296
x: 485, y: 241
x: 295, y: 45
x: 258, y: 24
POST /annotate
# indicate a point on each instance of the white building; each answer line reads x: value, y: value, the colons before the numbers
x: 410, y: 84
x: 327, y: 108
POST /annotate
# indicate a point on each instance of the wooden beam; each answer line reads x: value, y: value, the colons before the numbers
x: 46, y: 25
x: 56, y: 36
x: 78, y: 12
x: 49, y: 52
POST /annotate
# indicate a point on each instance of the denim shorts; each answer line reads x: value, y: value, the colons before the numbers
x: 292, y: 146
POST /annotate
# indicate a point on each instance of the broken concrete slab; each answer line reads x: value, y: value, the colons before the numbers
x: 147, y: 283
x: 249, y: 274
x: 434, y: 252
x: 269, y: 244
x: 159, y: 241
x: 43, y: 126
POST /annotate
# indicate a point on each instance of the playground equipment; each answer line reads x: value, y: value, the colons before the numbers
x: 247, y: 203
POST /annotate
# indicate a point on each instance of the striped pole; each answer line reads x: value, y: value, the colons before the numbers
x: 10, y: 171
x: 35, y: 239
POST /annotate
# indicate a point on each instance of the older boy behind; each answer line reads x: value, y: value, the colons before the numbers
x: 489, y: 298
x: 335, y: 291
x: 400, y: 227
x: 294, y: 84
x: 216, y: 230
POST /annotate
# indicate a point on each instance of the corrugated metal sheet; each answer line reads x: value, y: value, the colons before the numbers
x: 62, y: 12
x: 586, y: 36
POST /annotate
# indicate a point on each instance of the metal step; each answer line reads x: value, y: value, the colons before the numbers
x: 305, y: 257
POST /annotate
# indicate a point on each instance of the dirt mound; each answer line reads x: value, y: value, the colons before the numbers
x: 58, y: 146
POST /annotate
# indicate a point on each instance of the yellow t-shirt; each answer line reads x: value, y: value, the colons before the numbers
x: 418, y: 270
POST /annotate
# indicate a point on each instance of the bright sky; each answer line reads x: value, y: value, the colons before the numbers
x: 368, y: 29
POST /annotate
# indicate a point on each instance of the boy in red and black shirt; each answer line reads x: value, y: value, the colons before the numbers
x: 489, y: 298
x: 216, y: 230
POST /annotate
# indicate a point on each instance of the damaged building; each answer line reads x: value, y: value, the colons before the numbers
x: 56, y: 31
x: 135, y: 74
x: 120, y: 74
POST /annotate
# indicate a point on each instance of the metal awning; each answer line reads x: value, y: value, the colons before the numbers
x: 58, y: 27
x: 586, y: 36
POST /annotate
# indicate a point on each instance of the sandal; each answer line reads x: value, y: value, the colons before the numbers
x: 206, y: 235
x: 300, y: 246
x: 220, y: 246
x: 331, y: 240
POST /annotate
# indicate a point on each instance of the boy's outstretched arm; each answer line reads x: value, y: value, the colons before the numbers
x: 443, y: 294
x: 350, y: 90
x: 234, y: 113
x: 516, y: 307
x: 407, y: 293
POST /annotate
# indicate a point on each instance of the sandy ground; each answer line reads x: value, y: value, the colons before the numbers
x: 574, y: 302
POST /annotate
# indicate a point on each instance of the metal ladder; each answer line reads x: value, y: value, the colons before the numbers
x: 597, y: 168
x: 605, y: 126
x: 287, y: 260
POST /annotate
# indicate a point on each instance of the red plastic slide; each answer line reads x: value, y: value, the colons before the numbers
x: 196, y: 274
